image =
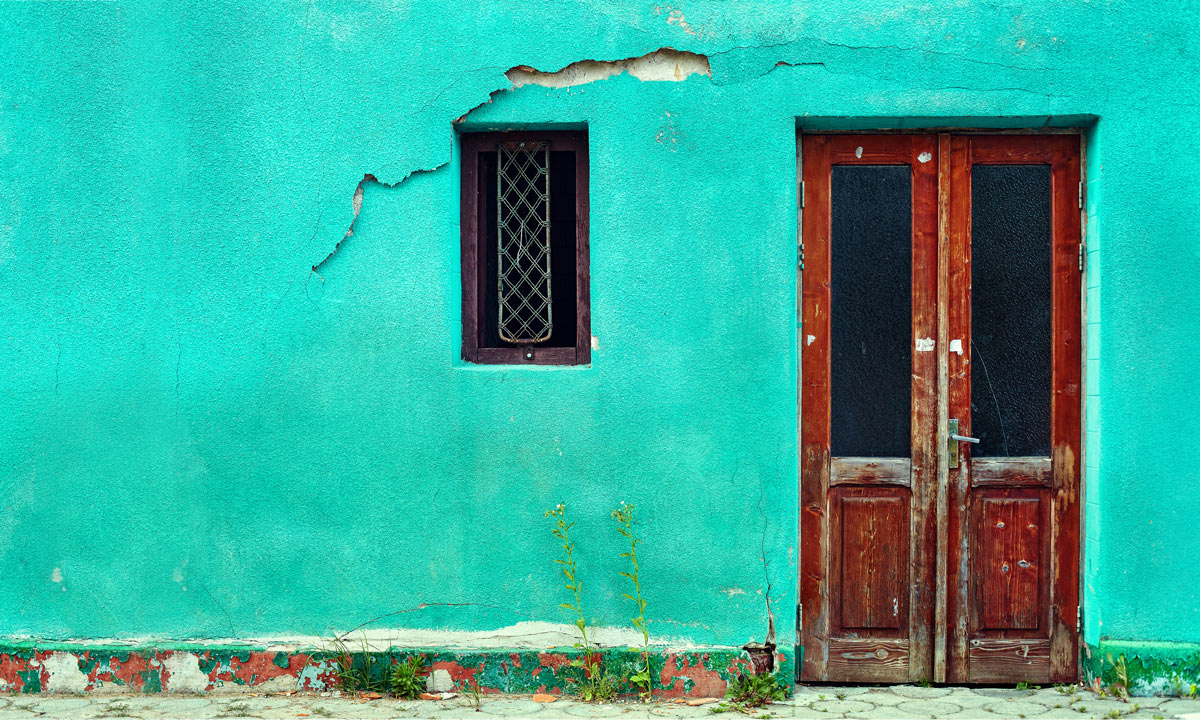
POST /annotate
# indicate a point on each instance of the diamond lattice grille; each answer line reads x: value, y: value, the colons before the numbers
x: 523, y: 242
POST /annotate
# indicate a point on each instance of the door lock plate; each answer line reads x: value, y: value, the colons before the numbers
x: 953, y: 444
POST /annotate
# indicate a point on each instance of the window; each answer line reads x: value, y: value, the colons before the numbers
x: 525, y: 248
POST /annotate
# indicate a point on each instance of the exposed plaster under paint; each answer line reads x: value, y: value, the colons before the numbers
x: 663, y: 65
x: 527, y: 635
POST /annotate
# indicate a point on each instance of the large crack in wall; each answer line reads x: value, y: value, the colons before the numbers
x: 662, y: 65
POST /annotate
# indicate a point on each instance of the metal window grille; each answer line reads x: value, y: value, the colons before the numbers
x: 523, y: 242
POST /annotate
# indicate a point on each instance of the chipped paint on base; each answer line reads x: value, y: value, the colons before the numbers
x: 1153, y: 668
x: 26, y: 668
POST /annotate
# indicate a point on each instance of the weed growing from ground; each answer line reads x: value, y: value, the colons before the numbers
x: 595, y: 685
x: 236, y: 710
x: 406, y: 678
x: 642, y: 678
x: 751, y: 691
x: 351, y: 675
x: 1119, y: 688
x: 470, y: 690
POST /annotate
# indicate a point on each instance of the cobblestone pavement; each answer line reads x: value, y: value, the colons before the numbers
x: 825, y: 702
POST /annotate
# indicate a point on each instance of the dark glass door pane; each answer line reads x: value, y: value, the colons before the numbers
x: 870, y: 313
x: 1010, y: 310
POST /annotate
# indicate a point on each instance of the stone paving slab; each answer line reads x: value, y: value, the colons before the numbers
x: 828, y: 702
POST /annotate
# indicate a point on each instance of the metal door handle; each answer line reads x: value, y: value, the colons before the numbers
x: 955, y: 439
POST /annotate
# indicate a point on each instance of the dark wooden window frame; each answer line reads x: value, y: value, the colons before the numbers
x: 473, y: 246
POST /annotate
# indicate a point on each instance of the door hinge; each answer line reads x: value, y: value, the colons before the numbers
x: 801, y: 194
x: 801, y: 256
x: 1078, y: 617
x: 1080, y: 194
x: 1082, y: 256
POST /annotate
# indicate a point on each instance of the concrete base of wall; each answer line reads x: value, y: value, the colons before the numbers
x: 1151, y: 668
x: 76, y: 668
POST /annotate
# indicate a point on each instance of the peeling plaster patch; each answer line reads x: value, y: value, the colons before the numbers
x: 595, y: 343
x: 956, y: 346
x: 668, y: 134
x: 858, y: 151
x: 663, y: 65
x: 182, y: 673
x: 675, y: 17
x: 528, y: 634
x: 62, y: 673
x: 925, y: 344
x: 809, y: 340
x: 924, y: 157
x: 731, y: 591
x: 56, y: 576
x: 522, y: 635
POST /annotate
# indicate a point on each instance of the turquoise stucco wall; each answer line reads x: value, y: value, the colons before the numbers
x: 203, y: 438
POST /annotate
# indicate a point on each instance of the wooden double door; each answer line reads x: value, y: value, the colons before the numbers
x: 941, y: 300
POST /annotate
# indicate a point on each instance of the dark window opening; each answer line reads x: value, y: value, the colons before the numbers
x: 1011, y: 271
x: 525, y: 248
x: 870, y: 309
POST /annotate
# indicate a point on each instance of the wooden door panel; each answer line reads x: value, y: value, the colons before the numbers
x: 1010, y: 533
x: 870, y: 471
x: 869, y: 661
x: 1010, y: 472
x: 870, y: 534
x: 995, y: 660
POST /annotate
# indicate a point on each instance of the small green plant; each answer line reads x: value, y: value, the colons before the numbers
x: 925, y: 683
x: 236, y: 709
x: 118, y: 709
x: 1119, y: 688
x: 1114, y: 713
x: 320, y: 712
x: 406, y: 679
x: 595, y: 684
x: 840, y: 696
x: 1064, y: 689
x: 642, y: 678
x: 470, y: 690
x: 722, y: 708
x: 751, y: 691
x: 1080, y: 709
x: 1026, y: 686
x: 353, y: 674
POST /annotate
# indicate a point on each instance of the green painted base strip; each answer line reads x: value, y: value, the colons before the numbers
x: 1149, y: 668
x: 67, y: 667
